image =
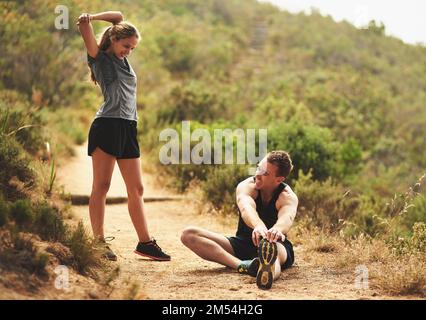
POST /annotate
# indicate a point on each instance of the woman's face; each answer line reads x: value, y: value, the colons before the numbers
x: 123, y: 47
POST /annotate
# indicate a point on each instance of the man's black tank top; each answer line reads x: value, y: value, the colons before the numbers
x: 267, y: 213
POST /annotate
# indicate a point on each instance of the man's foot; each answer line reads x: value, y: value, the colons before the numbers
x: 267, y: 256
x: 249, y: 267
x: 151, y: 250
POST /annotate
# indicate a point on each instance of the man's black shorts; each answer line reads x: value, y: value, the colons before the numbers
x: 244, y: 249
x: 115, y: 136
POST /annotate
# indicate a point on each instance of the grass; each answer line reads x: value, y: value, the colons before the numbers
x: 401, y: 276
x: 18, y: 253
x: 391, y: 271
x: 86, y: 254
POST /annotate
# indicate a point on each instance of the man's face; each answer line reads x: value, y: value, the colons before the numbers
x: 266, y: 175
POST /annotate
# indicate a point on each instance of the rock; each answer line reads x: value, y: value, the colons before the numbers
x: 93, y: 295
x: 61, y: 252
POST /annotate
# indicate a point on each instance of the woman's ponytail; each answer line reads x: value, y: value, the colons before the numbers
x: 106, y: 39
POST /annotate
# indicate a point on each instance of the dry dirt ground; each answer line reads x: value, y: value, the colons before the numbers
x: 187, y: 276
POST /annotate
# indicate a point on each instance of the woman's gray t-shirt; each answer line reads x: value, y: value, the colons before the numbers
x: 117, y: 80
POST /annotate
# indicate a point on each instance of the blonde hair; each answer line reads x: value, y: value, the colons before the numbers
x: 121, y: 30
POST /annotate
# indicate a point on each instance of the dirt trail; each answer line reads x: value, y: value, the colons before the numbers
x: 187, y: 276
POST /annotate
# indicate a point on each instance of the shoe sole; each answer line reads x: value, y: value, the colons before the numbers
x: 267, y: 256
x: 151, y: 257
x: 110, y: 258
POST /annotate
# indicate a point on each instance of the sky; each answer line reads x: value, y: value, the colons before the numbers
x: 404, y: 19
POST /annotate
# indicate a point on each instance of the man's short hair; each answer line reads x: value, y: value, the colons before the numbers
x: 283, y: 162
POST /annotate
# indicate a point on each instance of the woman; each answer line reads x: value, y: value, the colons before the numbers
x: 113, y: 133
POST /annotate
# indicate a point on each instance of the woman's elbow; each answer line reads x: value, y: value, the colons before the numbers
x: 120, y: 16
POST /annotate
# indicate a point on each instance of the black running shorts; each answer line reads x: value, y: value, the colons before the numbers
x: 115, y: 136
x: 244, y: 249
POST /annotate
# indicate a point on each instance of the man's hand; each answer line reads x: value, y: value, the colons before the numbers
x: 258, y: 233
x: 273, y: 235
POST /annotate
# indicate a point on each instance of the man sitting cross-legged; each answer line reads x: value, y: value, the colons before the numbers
x: 267, y: 208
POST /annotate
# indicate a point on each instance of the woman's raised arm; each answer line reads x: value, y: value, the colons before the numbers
x: 111, y: 16
x: 86, y: 31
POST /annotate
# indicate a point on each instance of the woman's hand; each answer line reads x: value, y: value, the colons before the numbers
x: 110, y: 16
x: 84, y: 18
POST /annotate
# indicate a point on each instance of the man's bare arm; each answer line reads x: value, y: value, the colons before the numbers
x: 287, y: 208
x: 246, y: 193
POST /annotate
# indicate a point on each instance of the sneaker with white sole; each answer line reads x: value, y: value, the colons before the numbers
x: 268, y: 253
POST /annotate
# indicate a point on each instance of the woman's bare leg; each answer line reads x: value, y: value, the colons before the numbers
x: 131, y: 171
x: 103, y: 166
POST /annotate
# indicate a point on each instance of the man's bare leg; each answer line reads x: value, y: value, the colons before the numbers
x: 210, y: 246
x: 281, y: 259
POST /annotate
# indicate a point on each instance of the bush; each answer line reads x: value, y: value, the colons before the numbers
x: 14, y: 163
x: 310, y: 148
x: 20, y: 255
x: 4, y: 211
x: 183, y: 174
x: 327, y: 205
x: 85, y: 253
x: 177, y: 50
x: 402, y: 275
x: 193, y: 100
x: 22, y: 213
x: 415, y: 213
x: 21, y: 120
x: 368, y: 221
x: 414, y: 244
x: 220, y: 185
x: 49, y: 223
x: 349, y: 162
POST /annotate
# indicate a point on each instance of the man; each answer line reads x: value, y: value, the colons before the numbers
x: 267, y: 208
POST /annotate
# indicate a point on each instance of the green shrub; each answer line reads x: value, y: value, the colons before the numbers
x: 349, y: 162
x: 21, y: 120
x: 23, y: 214
x: 193, y: 100
x: 415, y: 213
x: 368, y: 220
x: 325, y: 204
x: 14, y: 163
x: 414, y: 244
x: 310, y: 148
x: 182, y: 175
x: 49, y: 223
x: 177, y: 49
x: 220, y: 185
x: 85, y: 253
x: 20, y: 255
x: 4, y: 211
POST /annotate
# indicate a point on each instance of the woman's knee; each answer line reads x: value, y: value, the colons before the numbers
x: 101, y: 187
x: 135, y: 191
